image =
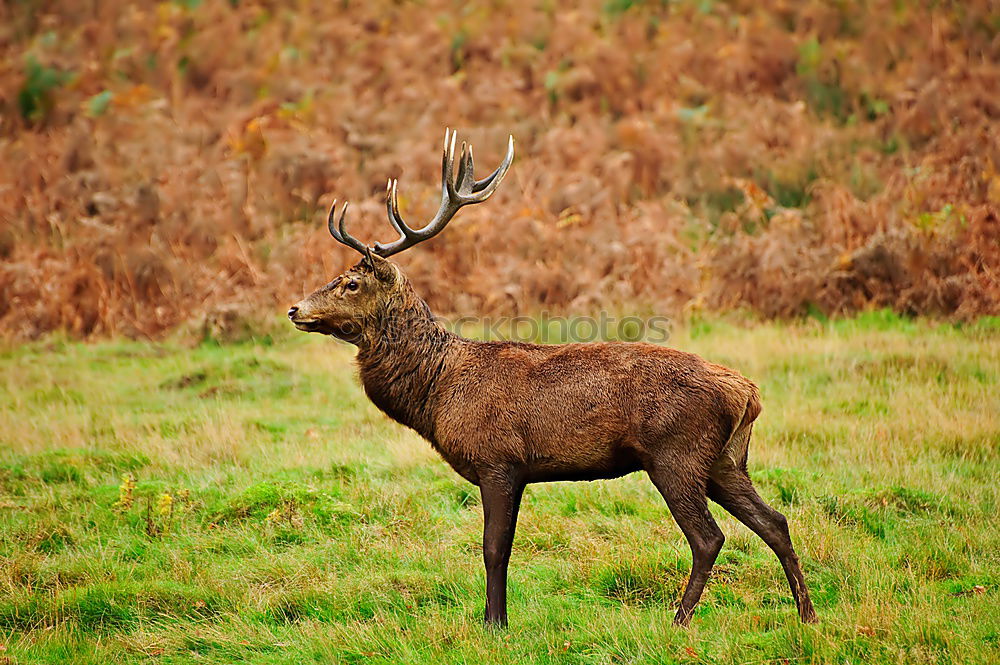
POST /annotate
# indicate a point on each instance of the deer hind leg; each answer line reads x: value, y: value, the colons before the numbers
x: 685, y: 496
x: 730, y: 487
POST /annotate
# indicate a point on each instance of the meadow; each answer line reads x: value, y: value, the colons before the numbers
x: 168, y: 503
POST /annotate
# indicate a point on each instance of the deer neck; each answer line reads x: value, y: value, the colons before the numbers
x: 401, y: 361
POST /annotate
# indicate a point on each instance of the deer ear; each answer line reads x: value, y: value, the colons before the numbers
x: 383, y: 270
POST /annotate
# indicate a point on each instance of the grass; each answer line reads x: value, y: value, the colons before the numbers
x: 247, y: 504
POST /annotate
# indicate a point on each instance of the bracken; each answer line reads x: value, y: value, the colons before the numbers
x: 154, y: 178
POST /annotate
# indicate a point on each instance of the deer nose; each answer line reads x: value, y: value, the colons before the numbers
x: 291, y: 311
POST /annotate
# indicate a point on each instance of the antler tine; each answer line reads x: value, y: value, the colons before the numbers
x: 455, y: 193
x: 497, y: 175
x: 392, y: 209
x: 447, y: 179
x: 340, y: 233
x: 465, y: 179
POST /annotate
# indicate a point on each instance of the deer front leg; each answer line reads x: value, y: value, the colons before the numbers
x: 501, y: 491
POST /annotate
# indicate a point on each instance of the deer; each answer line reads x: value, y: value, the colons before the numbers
x: 506, y: 414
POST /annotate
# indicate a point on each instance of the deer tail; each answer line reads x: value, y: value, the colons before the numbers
x: 737, y: 447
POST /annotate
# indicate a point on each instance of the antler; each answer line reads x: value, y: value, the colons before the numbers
x: 338, y: 231
x: 455, y: 193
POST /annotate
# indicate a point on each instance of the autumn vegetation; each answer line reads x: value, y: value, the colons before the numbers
x: 167, y: 164
x: 827, y: 170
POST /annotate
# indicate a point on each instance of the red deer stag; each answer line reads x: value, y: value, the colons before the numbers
x: 505, y: 414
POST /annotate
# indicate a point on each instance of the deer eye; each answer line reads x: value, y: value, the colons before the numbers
x: 352, y: 285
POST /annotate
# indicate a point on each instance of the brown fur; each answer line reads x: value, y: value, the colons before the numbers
x: 504, y: 414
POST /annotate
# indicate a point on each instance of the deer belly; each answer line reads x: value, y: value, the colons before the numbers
x: 614, y: 464
x: 580, y: 458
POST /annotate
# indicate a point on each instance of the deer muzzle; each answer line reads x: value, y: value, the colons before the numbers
x: 301, y: 319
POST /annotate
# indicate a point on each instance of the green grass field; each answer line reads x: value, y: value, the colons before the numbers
x: 277, y: 517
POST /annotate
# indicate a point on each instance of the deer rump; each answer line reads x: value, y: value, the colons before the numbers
x: 590, y: 411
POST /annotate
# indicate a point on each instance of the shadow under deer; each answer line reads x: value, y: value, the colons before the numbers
x: 506, y: 414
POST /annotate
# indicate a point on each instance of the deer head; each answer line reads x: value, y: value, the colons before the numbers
x: 353, y: 304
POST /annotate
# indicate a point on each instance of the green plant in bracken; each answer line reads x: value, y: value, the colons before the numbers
x: 36, y: 98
